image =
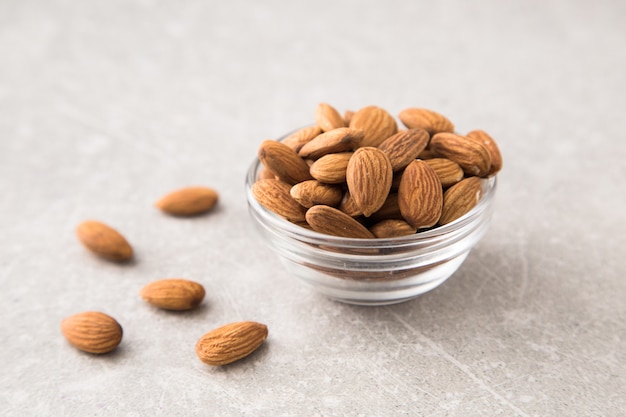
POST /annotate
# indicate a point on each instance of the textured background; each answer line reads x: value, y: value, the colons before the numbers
x: 107, y: 105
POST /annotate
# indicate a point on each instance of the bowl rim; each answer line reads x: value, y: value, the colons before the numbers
x: 311, y: 236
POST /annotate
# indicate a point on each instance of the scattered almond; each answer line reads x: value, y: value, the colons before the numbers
x: 173, y: 294
x: 104, y: 241
x: 460, y: 199
x: 231, y: 342
x: 369, y: 177
x: 92, y: 332
x: 188, y: 201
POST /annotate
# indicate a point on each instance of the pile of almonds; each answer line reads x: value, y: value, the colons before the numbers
x: 359, y: 176
x: 96, y: 332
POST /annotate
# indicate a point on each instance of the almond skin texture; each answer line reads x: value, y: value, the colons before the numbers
x: 392, y: 228
x: 376, y: 124
x: 189, y: 201
x: 449, y: 172
x: 330, y: 221
x: 336, y: 140
x: 404, y: 147
x: 231, y: 342
x: 104, y: 241
x: 430, y: 121
x: 348, y: 206
x: 92, y: 332
x: 492, y: 147
x: 420, y: 195
x: 284, y: 162
x: 173, y: 294
x: 460, y: 199
x: 311, y: 193
x: 328, y: 118
x: 300, y: 137
x: 472, y: 156
x: 275, y: 196
x: 331, y: 168
x: 369, y: 177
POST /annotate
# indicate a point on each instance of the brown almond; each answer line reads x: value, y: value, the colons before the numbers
x: 337, y: 140
x: 404, y: 147
x: 472, y: 156
x: 331, y: 168
x: 420, y: 195
x: 189, y: 201
x: 449, y: 172
x: 312, y: 192
x: 492, y: 147
x: 426, y: 154
x: 392, y: 228
x: 104, y: 241
x: 231, y: 342
x: 284, y: 162
x: 328, y: 118
x: 389, y: 210
x: 348, y: 206
x: 266, y: 174
x: 460, y: 199
x: 275, y: 196
x: 376, y: 124
x: 300, y: 137
x: 92, y: 332
x: 369, y: 177
x: 431, y: 121
x: 331, y: 221
x: 173, y: 294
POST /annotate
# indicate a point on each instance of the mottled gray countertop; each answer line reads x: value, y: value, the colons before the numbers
x: 107, y: 105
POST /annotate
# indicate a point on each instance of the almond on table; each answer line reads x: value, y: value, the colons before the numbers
x: 173, y: 294
x: 92, y: 332
x: 188, y: 201
x: 104, y: 241
x: 231, y: 342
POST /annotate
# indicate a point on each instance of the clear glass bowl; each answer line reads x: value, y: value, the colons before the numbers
x: 372, y: 271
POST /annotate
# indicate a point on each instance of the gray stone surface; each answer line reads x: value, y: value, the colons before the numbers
x: 107, y: 105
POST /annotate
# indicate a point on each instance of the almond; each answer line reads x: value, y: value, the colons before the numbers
x: 284, y: 162
x: 188, y: 201
x: 369, y: 177
x: 266, y: 174
x: 311, y: 193
x: 404, y: 147
x: 329, y: 220
x: 426, y: 154
x: 347, y: 116
x: 300, y: 137
x: 336, y: 140
x: 231, y: 342
x: 460, y: 199
x: 104, y: 241
x: 392, y: 228
x: 492, y: 147
x: 389, y: 210
x: 275, y: 196
x: 420, y: 195
x: 472, y: 156
x: 92, y: 332
x: 376, y: 124
x: 328, y: 118
x: 331, y: 168
x: 348, y: 206
x: 449, y: 172
x: 173, y: 294
x: 430, y: 121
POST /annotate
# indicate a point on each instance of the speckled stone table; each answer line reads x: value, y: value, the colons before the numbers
x: 107, y: 105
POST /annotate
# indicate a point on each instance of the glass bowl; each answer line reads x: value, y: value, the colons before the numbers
x: 372, y: 271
